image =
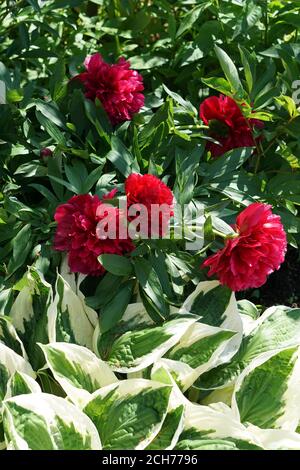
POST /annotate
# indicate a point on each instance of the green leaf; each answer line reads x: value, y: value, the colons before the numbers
x: 249, y: 67
x: 189, y: 19
x: 14, y: 96
x: 248, y: 18
x: 229, y: 162
x: 92, y: 178
x: 169, y: 433
x: 99, y: 119
x: 9, y: 336
x: 135, y: 317
x: 261, y: 391
x: 289, y: 104
x: 212, y: 302
x: 230, y: 72
x: 105, y: 291
x: 39, y: 421
x: 22, y: 245
x: 51, y: 112
x: 217, y: 422
x: 128, y: 416
x: 29, y: 315
x: 248, y: 308
x: 51, y: 129
x: 77, y: 174
x: 136, y: 350
x: 11, y: 362
x: 197, y: 442
x: 70, y: 319
x: 122, y: 158
x: 113, y: 310
x: 78, y: 371
x: 57, y: 83
x: 187, y: 161
x: 163, y: 117
x: 45, y: 192
x: 187, y: 105
x: 116, y: 264
x: 151, y: 290
x: 20, y: 384
x: 278, y: 328
x: 219, y: 84
x: 196, y: 352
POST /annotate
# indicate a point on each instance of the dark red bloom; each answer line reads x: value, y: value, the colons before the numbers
x: 258, y: 249
x: 151, y: 193
x: 77, y: 233
x: 227, y: 125
x: 46, y: 152
x: 116, y: 86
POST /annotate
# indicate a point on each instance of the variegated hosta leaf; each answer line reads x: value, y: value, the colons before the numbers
x: 12, y: 366
x: 129, y: 415
x: 206, y: 423
x: 200, y: 348
x: 70, y: 319
x: 278, y: 328
x: 135, y: 318
x: 223, y: 395
x: 9, y: 336
x: 74, y: 284
x: 174, y: 421
x: 214, y: 427
x: 181, y: 373
x: 193, y: 440
x: 78, y: 371
x: 276, y: 439
x: 267, y: 393
x: 216, y: 306
x: 170, y: 431
x: 20, y: 383
x: 29, y: 315
x: 40, y: 421
x: 136, y: 350
x: 11, y: 362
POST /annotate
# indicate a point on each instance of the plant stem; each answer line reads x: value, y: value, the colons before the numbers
x: 223, y: 235
x: 266, y: 23
x: 257, y: 163
x: 193, y: 126
x: 117, y: 14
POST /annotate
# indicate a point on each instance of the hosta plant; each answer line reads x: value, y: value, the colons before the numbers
x: 215, y: 375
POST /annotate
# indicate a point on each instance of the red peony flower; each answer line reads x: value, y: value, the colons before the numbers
x: 77, y: 222
x: 227, y: 125
x: 258, y: 249
x: 147, y: 192
x: 116, y: 86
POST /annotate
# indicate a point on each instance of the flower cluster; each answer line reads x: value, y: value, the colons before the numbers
x: 80, y: 219
x: 259, y: 245
x: 256, y: 251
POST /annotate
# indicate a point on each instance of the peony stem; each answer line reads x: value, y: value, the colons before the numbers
x: 117, y: 14
x: 193, y: 126
x: 224, y: 235
x: 219, y: 234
